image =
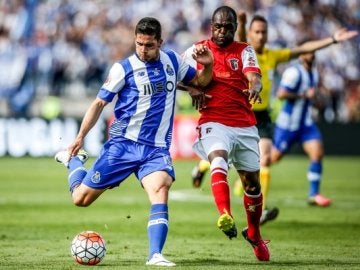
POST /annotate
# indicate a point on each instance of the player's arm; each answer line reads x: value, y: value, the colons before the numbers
x: 283, y: 93
x: 90, y: 118
x: 197, y: 95
x: 202, y: 55
x: 241, y: 28
x: 311, y: 46
x: 255, y: 86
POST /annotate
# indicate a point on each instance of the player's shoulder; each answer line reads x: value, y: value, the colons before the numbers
x: 241, y: 43
x: 204, y: 42
x: 240, y: 46
x: 292, y: 72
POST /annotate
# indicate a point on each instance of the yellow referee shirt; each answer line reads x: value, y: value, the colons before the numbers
x: 268, y: 61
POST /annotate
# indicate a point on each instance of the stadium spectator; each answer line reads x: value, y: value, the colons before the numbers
x: 227, y: 132
x: 98, y: 32
x: 16, y: 83
x: 140, y: 135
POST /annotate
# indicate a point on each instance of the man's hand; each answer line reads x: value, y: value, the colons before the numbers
x: 203, y: 55
x: 253, y: 95
x: 343, y: 34
x: 197, y: 95
x: 75, y: 147
x: 241, y: 15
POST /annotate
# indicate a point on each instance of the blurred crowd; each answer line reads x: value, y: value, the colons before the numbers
x: 63, y: 49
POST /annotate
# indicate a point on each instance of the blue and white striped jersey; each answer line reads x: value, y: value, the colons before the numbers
x: 146, y: 93
x: 297, y: 113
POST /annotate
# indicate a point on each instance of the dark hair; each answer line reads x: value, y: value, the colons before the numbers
x: 149, y: 26
x: 258, y: 18
x: 227, y: 10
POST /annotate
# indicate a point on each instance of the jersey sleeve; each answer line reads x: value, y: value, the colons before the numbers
x: 188, y: 66
x: 114, y: 82
x: 250, y: 62
x: 290, y: 79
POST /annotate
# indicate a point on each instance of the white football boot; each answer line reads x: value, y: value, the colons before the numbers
x: 64, y: 157
x: 158, y: 260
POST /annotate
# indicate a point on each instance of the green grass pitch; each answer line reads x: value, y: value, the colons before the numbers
x: 38, y: 220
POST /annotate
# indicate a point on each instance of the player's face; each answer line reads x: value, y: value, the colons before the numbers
x: 223, y: 29
x: 147, y: 47
x: 257, y: 35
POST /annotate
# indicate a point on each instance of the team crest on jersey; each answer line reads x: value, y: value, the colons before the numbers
x: 95, y: 178
x: 234, y: 63
x: 169, y: 70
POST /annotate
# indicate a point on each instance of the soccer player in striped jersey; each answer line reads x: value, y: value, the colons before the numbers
x: 140, y: 136
x: 294, y: 123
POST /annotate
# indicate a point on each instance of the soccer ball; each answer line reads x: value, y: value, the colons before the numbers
x: 88, y: 248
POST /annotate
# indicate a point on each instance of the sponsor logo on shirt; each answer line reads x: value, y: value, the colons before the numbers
x: 158, y: 87
x: 156, y: 71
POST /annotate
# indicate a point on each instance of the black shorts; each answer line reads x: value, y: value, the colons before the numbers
x: 264, y: 124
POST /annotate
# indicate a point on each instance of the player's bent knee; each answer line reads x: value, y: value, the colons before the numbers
x: 81, y: 202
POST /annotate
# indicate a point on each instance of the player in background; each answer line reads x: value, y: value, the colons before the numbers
x: 227, y: 131
x: 140, y: 135
x: 298, y: 87
x: 268, y: 61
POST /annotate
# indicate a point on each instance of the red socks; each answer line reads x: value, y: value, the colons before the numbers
x: 253, y: 208
x: 220, y: 190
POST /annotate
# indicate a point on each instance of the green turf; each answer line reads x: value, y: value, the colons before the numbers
x: 38, y: 221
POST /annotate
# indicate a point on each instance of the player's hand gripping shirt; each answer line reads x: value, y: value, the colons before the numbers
x: 297, y: 113
x: 229, y: 105
x: 144, y: 109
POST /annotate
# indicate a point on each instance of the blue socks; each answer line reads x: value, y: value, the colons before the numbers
x: 314, y: 176
x: 77, y: 172
x: 157, y: 228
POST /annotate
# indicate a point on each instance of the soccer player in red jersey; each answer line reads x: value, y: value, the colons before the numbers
x: 227, y: 131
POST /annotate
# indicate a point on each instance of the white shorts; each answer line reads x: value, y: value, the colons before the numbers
x: 241, y: 144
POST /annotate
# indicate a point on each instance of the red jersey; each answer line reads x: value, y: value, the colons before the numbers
x: 229, y: 105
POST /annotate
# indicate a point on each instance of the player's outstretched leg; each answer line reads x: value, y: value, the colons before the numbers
x: 253, y: 208
x: 314, y: 177
x: 75, y: 166
x: 157, y: 232
x: 260, y: 249
x: 221, y: 193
